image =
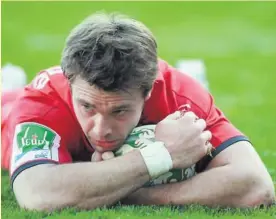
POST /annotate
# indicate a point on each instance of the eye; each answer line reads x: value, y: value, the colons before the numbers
x: 120, y: 112
x: 86, y: 107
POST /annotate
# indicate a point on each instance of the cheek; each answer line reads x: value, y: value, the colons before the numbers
x: 84, y: 122
x: 128, y: 123
x: 87, y: 126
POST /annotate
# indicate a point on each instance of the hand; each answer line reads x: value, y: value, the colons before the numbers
x: 97, y: 156
x: 184, y: 137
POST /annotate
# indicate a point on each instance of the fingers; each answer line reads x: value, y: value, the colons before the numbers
x: 206, y: 136
x: 201, y: 124
x: 205, y: 140
x: 209, y: 149
x: 108, y: 155
x: 192, y: 118
x: 180, y: 114
x: 96, y: 157
x: 189, y: 116
x: 174, y: 115
x: 204, y: 143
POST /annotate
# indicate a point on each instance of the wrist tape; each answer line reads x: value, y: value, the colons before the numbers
x: 157, y: 159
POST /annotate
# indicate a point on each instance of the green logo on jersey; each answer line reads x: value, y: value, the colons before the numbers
x: 33, y: 136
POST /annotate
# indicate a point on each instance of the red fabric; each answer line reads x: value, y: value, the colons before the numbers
x: 50, y: 104
x: 173, y: 89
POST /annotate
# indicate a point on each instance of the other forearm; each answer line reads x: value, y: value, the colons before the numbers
x: 83, y: 185
x: 222, y: 186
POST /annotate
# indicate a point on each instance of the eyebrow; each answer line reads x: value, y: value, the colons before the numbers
x: 120, y: 107
x: 85, y: 102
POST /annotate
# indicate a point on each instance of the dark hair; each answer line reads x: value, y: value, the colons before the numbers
x: 111, y: 51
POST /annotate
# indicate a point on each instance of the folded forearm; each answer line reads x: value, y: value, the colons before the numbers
x: 83, y: 185
x: 222, y: 186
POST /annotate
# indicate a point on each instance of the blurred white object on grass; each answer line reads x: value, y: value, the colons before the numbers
x: 194, y: 68
x: 12, y: 77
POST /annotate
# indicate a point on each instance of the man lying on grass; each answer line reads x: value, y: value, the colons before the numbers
x: 111, y: 81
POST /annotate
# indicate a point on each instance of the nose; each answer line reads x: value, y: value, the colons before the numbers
x: 102, y: 127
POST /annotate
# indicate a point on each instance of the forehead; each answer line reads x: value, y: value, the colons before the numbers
x: 91, y: 94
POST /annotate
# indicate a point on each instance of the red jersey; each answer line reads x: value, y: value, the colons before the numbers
x: 42, y: 127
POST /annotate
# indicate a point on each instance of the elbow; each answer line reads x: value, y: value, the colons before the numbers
x: 36, y: 199
x: 39, y: 202
x: 34, y: 206
x: 43, y: 203
x: 29, y: 201
x: 35, y: 195
x: 267, y: 198
x: 261, y: 196
x: 259, y: 191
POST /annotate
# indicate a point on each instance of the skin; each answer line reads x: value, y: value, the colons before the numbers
x: 106, y: 118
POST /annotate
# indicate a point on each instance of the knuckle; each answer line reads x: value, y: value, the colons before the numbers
x: 198, y: 129
x: 200, y: 125
x: 209, y: 134
x: 189, y: 115
x: 202, y: 139
x: 204, y: 122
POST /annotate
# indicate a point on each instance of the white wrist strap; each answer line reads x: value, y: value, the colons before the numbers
x: 157, y: 158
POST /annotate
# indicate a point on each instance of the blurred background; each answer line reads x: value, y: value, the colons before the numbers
x: 236, y: 41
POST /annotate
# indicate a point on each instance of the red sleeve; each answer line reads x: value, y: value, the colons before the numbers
x: 39, y: 134
x: 189, y: 92
x: 224, y: 133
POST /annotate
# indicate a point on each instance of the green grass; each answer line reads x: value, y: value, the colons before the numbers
x: 236, y: 40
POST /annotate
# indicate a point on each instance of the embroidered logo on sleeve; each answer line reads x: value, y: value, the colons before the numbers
x: 33, y: 141
x: 40, y: 81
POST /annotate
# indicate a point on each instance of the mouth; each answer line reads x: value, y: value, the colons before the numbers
x: 106, y: 144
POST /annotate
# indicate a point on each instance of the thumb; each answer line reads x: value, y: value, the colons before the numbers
x: 108, y: 155
x: 96, y: 157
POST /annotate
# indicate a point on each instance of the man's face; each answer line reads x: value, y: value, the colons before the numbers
x: 106, y: 117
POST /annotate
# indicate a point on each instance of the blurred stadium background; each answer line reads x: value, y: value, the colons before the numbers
x: 236, y: 41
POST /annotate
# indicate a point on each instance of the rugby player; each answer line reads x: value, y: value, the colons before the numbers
x: 110, y: 80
